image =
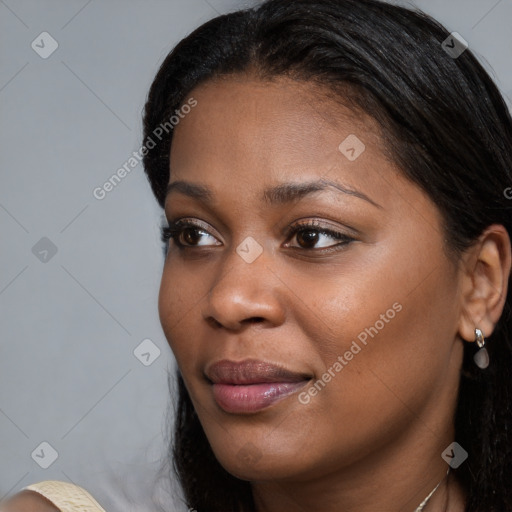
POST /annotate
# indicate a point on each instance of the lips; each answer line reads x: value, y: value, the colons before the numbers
x: 251, y: 385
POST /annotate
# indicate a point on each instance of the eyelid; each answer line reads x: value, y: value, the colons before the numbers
x: 194, y: 222
x: 341, y: 238
x: 298, y: 224
x: 323, y: 224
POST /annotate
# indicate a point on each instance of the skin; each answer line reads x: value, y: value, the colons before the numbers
x: 375, y: 433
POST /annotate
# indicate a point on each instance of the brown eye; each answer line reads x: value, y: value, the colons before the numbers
x: 187, y: 234
x: 192, y: 235
x: 307, y: 238
x: 312, y: 236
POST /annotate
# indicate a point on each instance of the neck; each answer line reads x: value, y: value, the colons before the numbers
x: 449, y: 497
x: 382, y: 481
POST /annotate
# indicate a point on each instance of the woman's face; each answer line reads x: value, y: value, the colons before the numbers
x: 360, y: 306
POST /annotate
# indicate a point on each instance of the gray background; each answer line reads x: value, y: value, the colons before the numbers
x: 70, y: 323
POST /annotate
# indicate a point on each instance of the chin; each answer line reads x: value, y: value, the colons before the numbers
x: 262, y: 470
x: 263, y: 461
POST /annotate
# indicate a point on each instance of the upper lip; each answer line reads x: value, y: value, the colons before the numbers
x: 250, y: 371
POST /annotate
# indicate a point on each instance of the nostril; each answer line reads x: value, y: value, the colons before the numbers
x: 213, y: 322
x: 225, y: 323
x: 256, y: 319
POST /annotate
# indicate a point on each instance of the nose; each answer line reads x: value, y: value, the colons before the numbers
x: 244, y: 293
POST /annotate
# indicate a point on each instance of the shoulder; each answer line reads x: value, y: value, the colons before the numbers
x: 55, y: 495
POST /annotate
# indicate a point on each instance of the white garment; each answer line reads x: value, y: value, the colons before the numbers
x: 66, y: 496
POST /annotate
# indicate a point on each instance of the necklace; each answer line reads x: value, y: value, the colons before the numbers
x: 424, y: 502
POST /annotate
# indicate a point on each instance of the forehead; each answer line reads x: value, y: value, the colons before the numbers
x: 279, y: 123
x: 245, y: 135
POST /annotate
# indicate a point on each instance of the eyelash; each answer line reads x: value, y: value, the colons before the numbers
x: 176, y: 228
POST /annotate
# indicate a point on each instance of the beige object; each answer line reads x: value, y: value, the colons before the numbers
x: 66, y: 497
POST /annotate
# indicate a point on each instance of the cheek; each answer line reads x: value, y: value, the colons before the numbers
x: 395, y: 339
x: 179, y: 300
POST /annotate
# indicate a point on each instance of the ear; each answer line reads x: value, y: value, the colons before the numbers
x: 485, y: 282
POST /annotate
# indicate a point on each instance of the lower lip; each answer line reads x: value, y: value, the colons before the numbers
x: 253, y: 397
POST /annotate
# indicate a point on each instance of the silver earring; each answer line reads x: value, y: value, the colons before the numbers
x: 481, y: 358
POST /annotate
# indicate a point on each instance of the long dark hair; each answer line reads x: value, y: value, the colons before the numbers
x: 446, y: 127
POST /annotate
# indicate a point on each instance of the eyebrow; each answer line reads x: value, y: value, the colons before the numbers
x: 280, y: 194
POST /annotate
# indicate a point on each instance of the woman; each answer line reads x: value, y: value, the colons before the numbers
x: 335, y: 288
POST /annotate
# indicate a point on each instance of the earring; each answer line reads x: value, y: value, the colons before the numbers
x: 481, y: 358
